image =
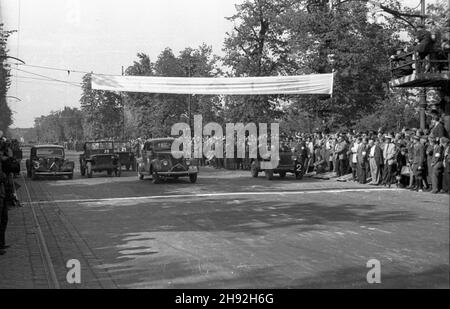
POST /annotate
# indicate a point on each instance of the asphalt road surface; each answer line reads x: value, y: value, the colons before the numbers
x: 232, y: 231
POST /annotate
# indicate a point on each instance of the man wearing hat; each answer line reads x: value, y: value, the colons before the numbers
x: 426, y: 170
x: 437, y: 127
x: 437, y: 166
x: 341, y: 149
x: 389, y: 155
x: 445, y: 143
x: 418, y: 163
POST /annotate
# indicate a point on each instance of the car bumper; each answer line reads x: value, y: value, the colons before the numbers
x: 53, y: 173
x: 189, y: 172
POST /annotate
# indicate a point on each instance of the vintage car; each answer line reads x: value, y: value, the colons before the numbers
x: 99, y: 156
x: 157, y: 161
x: 126, y: 155
x: 48, y: 160
x: 291, y: 161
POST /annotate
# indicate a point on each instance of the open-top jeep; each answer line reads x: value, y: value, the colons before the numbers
x: 99, y: 157
x: 157, y: 160
x: 126, y: 155
x: 48, y: 160
x: 290, y: 161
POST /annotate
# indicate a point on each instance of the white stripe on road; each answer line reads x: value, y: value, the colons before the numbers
x: 220, y: 194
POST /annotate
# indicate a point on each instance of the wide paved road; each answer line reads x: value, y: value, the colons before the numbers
x: 232, y: 231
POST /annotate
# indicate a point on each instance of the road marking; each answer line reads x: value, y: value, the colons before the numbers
x: 220, y: 194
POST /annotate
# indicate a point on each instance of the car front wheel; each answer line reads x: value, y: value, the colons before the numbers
x: 193, y: 178
x: 269, y: 174
x: 254, y: 170
x: 155, y: 178
x: 89, y: 169
x: 33, y: 175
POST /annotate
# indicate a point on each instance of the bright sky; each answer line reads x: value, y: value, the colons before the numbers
x: 99, y: 36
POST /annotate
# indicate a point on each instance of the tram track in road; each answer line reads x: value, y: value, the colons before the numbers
x: 63, y: 242
x: 43, y: 248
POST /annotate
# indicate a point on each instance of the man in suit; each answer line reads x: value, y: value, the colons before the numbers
x: 418, y: 163
x: 389, y: 156
x: 354, y: 157
x: 437, y: 166
x: 410, y: 157
x: 341, y: 153
x: 437, y: 127
x: 445, y: 143
x: 375, y: 161
x: 362, y: 159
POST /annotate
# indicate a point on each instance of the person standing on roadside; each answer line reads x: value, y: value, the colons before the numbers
x: 445, y: 143
x: 3, y: 211
x: 436, y: 166
x: 389, y: 156
x: 341, y: 156
x: 418, y: 163
x: 375, y: 161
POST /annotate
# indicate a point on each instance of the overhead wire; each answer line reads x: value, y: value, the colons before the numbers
x: 48, y: 77
x: 30, y: 79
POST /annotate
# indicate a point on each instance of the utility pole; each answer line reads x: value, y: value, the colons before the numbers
x: 189, y: 96
x: 423, y: 91
x: 123, y: 112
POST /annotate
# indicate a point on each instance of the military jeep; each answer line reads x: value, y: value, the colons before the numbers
x: 99, y: 157
x: 126, y: 155
x: 158, y: 162
x: 290, y: 161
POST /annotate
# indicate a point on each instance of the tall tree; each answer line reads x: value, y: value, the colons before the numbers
x: 257, y: 46
x: 5, y: 111
x: 60, y: 126
x: 102, y: 112
x: 154, y: 114
x: 359, y: 44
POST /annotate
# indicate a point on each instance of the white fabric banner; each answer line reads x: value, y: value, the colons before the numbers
x: 303, y: 84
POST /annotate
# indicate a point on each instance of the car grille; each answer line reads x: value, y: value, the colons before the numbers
x: 106, y: 159
x: 178, y: 168
x: 53, y: 164
x: 285, y: 159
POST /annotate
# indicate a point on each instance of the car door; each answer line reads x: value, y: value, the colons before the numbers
x: 147, y: 154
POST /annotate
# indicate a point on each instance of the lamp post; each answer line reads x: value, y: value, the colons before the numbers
x: 423, y: 91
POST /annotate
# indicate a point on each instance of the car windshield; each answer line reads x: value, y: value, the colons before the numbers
x: 49, y: 152
x: 99, y: 145
x: 162, y: 146
x: 122, y: 146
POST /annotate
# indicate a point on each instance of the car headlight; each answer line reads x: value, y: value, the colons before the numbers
x: 165, y: 163
x: 188, y: 162
x: 294, y: 158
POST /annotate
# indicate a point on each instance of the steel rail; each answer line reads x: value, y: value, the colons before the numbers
x: 48, y: 264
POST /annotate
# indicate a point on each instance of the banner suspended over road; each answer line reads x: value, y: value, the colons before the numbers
x: 303, y: 84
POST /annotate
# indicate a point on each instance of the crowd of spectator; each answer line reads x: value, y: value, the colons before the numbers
x: 413, y: 158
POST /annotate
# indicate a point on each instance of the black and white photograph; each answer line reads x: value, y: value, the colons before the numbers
x: 224, y: 149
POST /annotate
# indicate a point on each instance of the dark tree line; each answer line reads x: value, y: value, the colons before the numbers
x: 5, y: 111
